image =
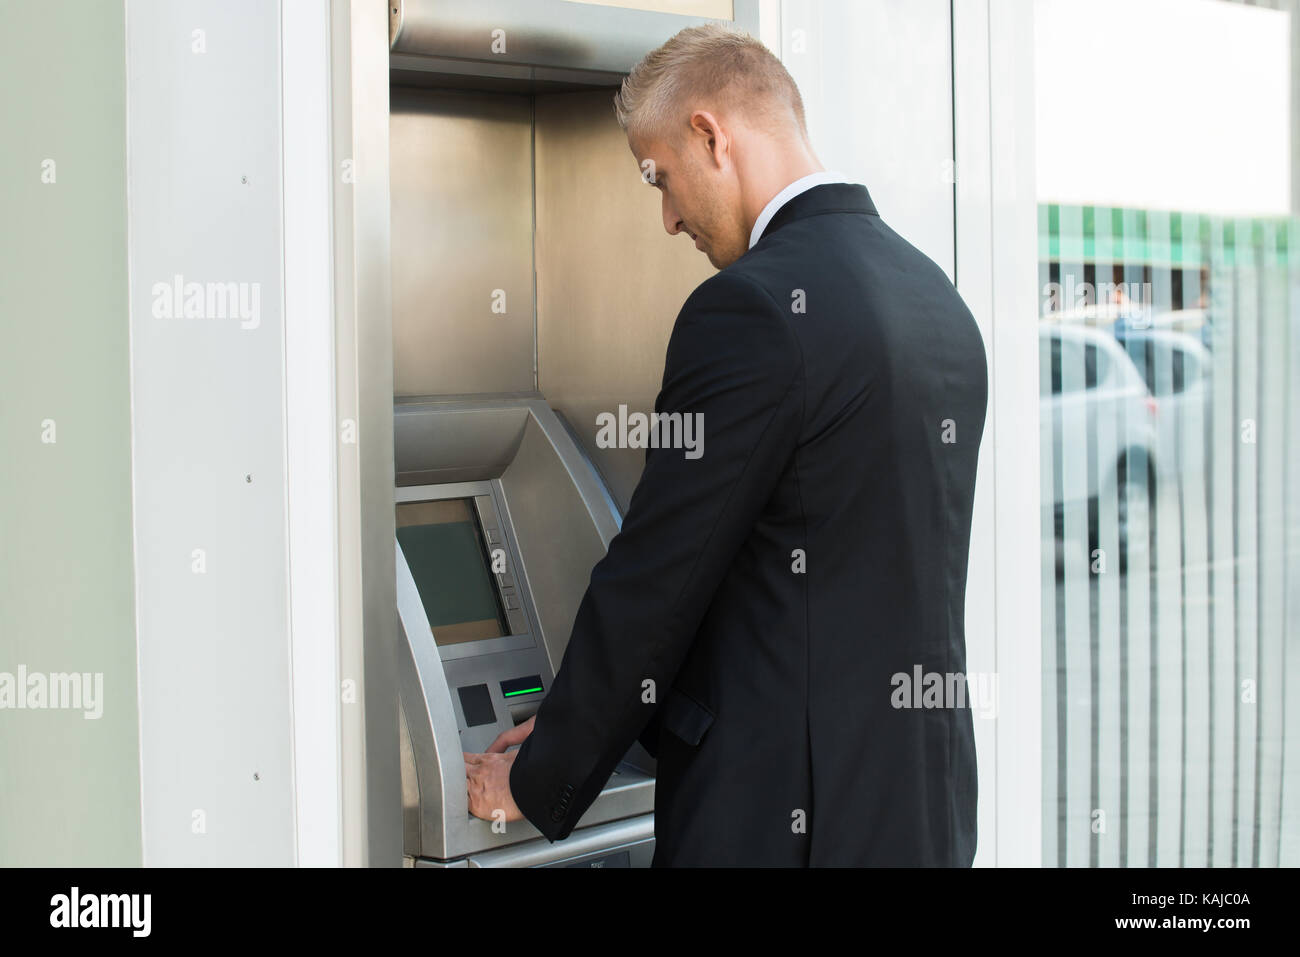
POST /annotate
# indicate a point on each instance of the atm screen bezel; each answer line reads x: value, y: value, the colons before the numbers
x: 488, y: 506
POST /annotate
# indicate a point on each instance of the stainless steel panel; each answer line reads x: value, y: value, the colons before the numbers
x: 409, y: 861
x: 462, y: 242
x: 554, y: 33
x: 468, y: 649
x: 410, y: 783
x: 610, y: 280
x: 431, y: 723
x: 491, y: 670
x: 548, y: 493
x: 558, y: 543
x: 634, y: 836
x: 508, y: 578
x: 550, y: 505
x: 449, y: 490
x: 435, y: 761
x: 441, y: 73
x: 469, y: 446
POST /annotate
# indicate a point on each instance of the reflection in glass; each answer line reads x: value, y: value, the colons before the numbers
x: 1169, y: 346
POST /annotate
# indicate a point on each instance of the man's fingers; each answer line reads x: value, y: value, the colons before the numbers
x: 508, y: 739
x: 487, y: 785
x: 505, y: 740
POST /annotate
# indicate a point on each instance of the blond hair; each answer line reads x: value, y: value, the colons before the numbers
x: 713, y: 65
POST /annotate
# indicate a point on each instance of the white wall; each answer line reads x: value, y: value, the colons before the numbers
x: 876, y: 80
x: 996, y: 251
x: 69, y: 781
x: 204, y: 203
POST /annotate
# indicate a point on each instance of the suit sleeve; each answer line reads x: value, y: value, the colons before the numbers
x: 732, y: 360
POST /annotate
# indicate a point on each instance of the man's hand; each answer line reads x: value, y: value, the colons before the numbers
x: 512, y: 738
x: 487, y: 776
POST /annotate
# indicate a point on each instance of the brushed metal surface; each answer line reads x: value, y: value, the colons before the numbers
x: 557, y: 522
x: 610, y: 280
x: 556, y: 33
x: 457, y: 446
x: 557, y: 539
x: 462, y: 242
x: 425, y: 72
x: 410, y: 782
x: 634, y: 836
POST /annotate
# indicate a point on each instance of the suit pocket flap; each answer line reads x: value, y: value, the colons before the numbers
x: 686, y: 717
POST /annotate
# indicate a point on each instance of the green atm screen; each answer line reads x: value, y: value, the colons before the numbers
x: 448, y: 563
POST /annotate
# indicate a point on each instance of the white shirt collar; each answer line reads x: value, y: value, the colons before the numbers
x: 801, y: 185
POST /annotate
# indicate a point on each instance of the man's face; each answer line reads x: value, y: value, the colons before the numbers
x: 699, y: 193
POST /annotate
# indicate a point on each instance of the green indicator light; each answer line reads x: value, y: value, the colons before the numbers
x: 511, y: 694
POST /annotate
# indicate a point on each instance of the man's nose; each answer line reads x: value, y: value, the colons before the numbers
x: 671, y: 221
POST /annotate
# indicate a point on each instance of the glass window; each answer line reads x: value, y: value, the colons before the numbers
x: 1169, y: 351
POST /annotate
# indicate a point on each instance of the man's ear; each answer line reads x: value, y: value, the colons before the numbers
x: 707, y: 131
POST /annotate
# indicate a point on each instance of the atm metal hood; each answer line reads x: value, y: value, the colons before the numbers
x: 548, y: 42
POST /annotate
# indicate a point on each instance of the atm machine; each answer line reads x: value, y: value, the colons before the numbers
x: 499, y: 521
x: 518, y: 222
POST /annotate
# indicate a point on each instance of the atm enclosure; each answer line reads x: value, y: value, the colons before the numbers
x: 532, y: 288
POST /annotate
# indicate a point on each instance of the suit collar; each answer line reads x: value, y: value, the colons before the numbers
x: 826, y: 198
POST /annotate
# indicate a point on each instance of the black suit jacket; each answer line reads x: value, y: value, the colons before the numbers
x: 750, y: 619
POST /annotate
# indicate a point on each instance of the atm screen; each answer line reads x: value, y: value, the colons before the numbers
x: 445, y: 549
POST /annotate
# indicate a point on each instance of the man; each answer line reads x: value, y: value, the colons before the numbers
x: 753, y: 621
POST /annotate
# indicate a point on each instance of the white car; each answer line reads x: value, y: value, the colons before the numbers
x: 1099, y: 435
x: 1176, y: 367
